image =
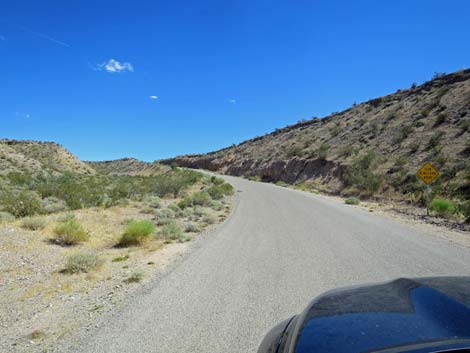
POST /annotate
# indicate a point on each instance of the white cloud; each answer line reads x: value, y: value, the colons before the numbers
x: 153, y: 97
x: 232, y: 101
x: 114, y: 66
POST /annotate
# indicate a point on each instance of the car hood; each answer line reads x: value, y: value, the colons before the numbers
x: 392, y: 314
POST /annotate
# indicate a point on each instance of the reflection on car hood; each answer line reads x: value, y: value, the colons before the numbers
x: 396, y: 313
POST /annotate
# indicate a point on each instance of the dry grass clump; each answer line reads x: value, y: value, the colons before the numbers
x: 136, y: 277
x: 70, y: 232
x: 82, y: 261
x: 136, y: 233
x: 33, y: 223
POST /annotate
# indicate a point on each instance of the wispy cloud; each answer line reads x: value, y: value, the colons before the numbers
x: 232, y: 101
x: 44, y: 36
x: 114, y: 66
x: 153, y: 97
x: 22, y: 115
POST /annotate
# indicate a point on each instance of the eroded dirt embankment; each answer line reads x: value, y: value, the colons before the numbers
x: 291, y: 171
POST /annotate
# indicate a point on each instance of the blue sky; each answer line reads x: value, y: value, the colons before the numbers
x: 83, y: 73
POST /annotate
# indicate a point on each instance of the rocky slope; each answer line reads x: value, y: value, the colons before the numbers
x: 399, y: 132
x: 34, y: 156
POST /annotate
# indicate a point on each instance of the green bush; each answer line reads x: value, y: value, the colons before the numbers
x: 217, y: 205
x: 70, y: 232
x: 216, y: 181
x: 33, y: 223
x: 352, y: 201
x: 360, y: 174
x: 201, y: 198
x: 20, y: 203
x: 442, y: 207
x: 322, y: 151
x: 171, y: 230
x: 217, y: 192
x: 6, y: 217
x: 82, y: 261
x: 136, y: 233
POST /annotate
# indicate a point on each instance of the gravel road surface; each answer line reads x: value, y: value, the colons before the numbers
x: 279, y: 248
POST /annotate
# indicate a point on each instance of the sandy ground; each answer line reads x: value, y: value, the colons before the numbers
x: 39, y: 304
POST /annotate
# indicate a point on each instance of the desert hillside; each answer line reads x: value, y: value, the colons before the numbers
x: 125, y: 166
x: 33, y: 156
x: 372, y: 148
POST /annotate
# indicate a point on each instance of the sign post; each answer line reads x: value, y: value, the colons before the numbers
x: 427, y: 173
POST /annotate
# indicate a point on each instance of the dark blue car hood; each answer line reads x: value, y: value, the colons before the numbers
x: 398, y: 313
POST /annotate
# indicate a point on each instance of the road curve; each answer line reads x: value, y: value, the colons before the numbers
x: 279, y: 249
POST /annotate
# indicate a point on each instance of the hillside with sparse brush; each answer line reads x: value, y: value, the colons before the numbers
x: 33, y: 157
x: 371, y: 149
x: 126, y: 166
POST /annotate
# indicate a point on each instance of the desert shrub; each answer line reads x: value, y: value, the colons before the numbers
x: 201, y: 198
x: 188, y: 212
x: 136, y: 232
x: 209, y: 219
x: 82, y: 261
x: 185, y: 202
x: 400, y: 162
x: 414, y: 147
x: 191, y: 228
x: 352, y: 201
x: 217, y: 192
x: 346, y: 151
x: 435, y: 139
x: 360, y: 174
x: 171, y: 230
x: 464, y: 125
x: 153, y: 201
x: 402, y: 134
x: 441, y: 118
x: 442, y: 207
x: 136, y: 276
x: 70, y: 232
x: 322, y: 151
x: 175, y: 182
x: 175, y: 208
x: 199, y: 211
x: 216, y: 181
x: 33, y: 223
x: 165, y: 213
x: 20, y: 203
x: 216, y: 205
x: 53, y: 205
x: 6, y: 217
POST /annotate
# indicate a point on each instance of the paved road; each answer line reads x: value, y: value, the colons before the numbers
x: 280, y: 248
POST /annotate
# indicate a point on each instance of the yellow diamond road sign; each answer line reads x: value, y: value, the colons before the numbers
x: 427, y: 173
